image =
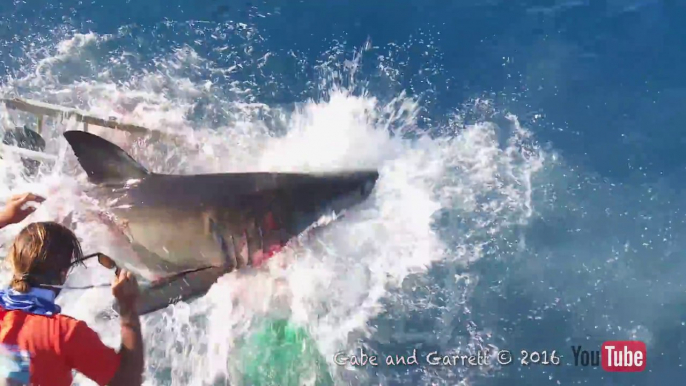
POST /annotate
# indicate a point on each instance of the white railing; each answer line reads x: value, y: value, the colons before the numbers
x: 42, y: 110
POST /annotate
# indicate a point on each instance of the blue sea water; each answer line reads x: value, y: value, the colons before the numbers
x: 597, y: 85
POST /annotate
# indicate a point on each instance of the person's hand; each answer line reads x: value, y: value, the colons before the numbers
x: 125, y: 290
x: 14, y: 213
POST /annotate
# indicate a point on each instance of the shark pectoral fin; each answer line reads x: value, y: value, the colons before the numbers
x: 175, y: 289
x: 103, y: 161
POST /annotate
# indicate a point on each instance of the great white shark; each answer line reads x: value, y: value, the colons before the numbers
x: 191, y: 229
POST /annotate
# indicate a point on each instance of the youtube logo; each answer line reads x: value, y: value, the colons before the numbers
x: 623, y: 356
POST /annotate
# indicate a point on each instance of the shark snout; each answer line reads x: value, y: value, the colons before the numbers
x: 353, y: 190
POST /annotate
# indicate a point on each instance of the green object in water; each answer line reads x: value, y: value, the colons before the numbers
x: 280, y: 353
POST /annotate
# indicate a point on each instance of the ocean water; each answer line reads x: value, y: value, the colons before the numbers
x: 529, y: 152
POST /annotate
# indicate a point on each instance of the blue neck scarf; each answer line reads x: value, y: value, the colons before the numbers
x: 38, y: 301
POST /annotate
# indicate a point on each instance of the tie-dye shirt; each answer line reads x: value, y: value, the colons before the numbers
x: 43, y: 350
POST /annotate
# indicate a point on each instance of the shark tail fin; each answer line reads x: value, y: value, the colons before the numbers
x: 103, y: 161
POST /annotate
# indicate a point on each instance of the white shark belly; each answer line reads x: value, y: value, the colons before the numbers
x: 181, y: 239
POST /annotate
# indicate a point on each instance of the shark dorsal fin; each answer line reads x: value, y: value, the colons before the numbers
x: 103, y: 161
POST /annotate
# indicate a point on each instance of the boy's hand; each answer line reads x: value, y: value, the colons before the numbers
x: 125, y: 290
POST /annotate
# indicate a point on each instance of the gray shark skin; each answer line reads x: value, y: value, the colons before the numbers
x: 191, y: 229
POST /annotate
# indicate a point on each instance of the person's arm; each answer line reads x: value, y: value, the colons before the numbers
x: 130, y: 372
x: 13, y: 211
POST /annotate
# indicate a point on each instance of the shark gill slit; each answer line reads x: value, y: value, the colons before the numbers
x: 261, y: 237
x: 233, y: 254
x: 246, y: 237
x: 219, y: 238
x: 237, y: 252
x: 254, y: 240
